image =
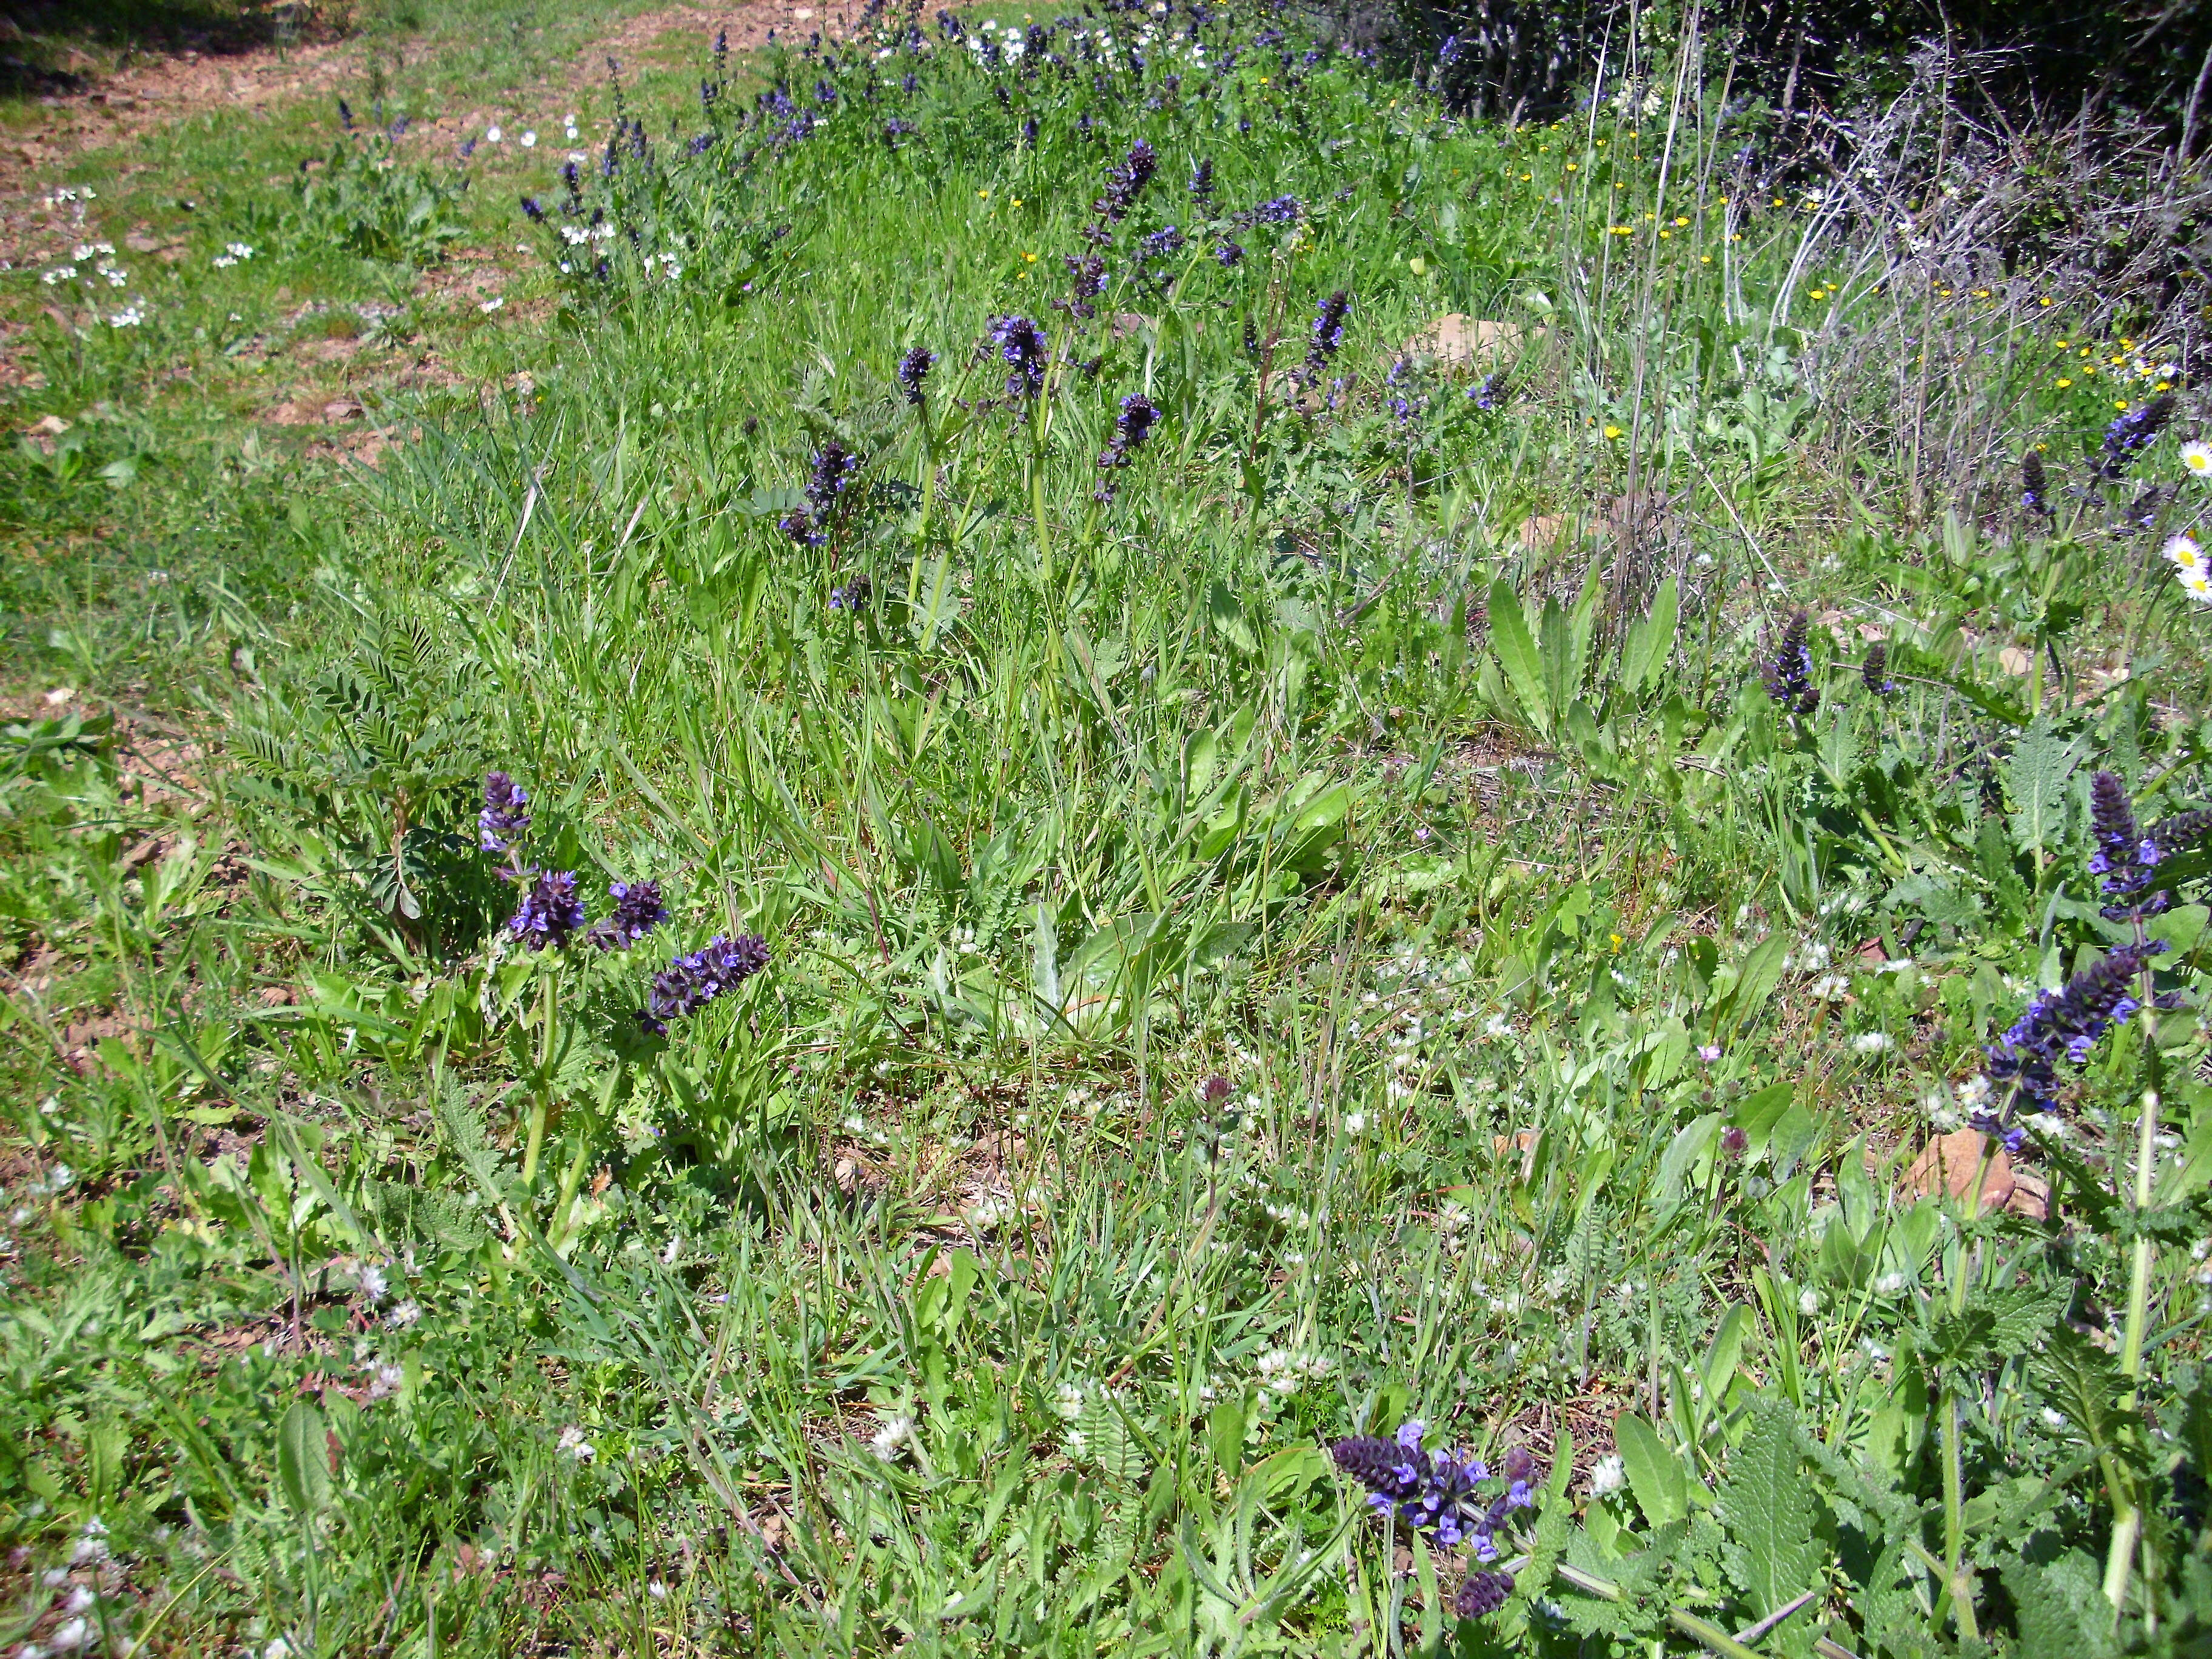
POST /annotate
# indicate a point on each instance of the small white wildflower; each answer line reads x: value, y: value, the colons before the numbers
x: 370, y: 1278
x: 492, y: 304
x: 670, y: 1257
x: 404, y: 1315
x: 1808, y: 1302
x: 529, y: 141
x: 1889, y: 1284
x: 2197, y: 456
x: 81, y: 1600
x: 2184, y: 551
x: 572, y: 1441
x: 70, y: 1637
x: 1355, y: 1123
x: 1607, y: 1476
x: 129, y: 317
x: 1973, y: 1093
x: 1067, y: 1401
x: 278, y: 1648
x: 656, y: 1589
x: 492, y: 134
x: 2053, y: 1419
x: 1870, y: 1043
x: 891, y: 1438
x: 1829, y: 987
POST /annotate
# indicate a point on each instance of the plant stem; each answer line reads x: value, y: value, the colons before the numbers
x: 2127, y: 1514
x: 541, y: 1101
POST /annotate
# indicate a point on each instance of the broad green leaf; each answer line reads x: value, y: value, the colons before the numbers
x: 1557, y: 638
x: 2035, y: 783
x: 1516, y: 651
x: 1771, y: 1554
x: 1761, y: 973
x: 303, y: 1459
x: 1651, y: 644
x: 1681, y: 1156
x: 1654, y: 1475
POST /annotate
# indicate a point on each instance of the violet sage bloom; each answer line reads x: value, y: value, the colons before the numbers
x: 833, y: 469
x: 690, y: 982
x: 1228, y: 253
x: 505, y: 817
x: 1788, y: 676
x: 1278, y: 211
x: 1131, y: 428
x: 912, y: 370
x: 2132, y: 434
x: 638, y: 910
x: 1483, y: 1593
x: 2061, y: 1024
x: 1201, y: 186
x: 1124, y: 184
x: 1026, y: 351
x: 550, y: 913
x: 2032, y: 493
x: 1435, y: 1491
x: 1873, y: 672
x: 1328, y: 328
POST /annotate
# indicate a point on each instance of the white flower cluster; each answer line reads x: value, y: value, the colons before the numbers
x: 233, y: 253
x: 572, y: 1442
x: 1284, y: 1372
x: 890, y: 1440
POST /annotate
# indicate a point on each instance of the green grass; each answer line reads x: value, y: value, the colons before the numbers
x: 1260, y: 954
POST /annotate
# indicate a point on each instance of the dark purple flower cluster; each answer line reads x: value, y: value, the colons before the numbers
x: 506, y: 814
x: 833, y: 469
x: 852, y: 596
x: 2126, y: 860
x: 912, y: 370
x: 1124, y: 184
x: 1488, y: 392
x: 638, y: 910
x: 1482, y: 1594
x: 2061, y: 1024
x: 1873, y: 672
x: 1026, y: 353
x: 550, y: 913
x: 690, y: 983
x: 1138, y: 416
x: 2132, y: 434
x: 1201, y: 186
x: 1277, y: 210
x: 1435, y: 1491
x: 532, y: 210
x: 1228, y: 253
x: 1089, y: 274
x: 2032, y: 494
x: 1328, y: 328
x: 798, y: 524
x: 1788, y: 676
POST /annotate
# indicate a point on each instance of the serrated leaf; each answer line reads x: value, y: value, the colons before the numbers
x: 2035, y: 783
x: 2061, y: 1608
x: 1771, y: 1554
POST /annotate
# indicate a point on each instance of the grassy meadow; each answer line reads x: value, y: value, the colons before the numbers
x: 1071, y: 836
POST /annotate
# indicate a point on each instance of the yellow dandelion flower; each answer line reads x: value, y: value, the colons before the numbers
x: 2063, y: 383
x: 1613, y: 432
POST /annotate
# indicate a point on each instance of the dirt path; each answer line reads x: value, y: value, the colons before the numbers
x: 146, y: 96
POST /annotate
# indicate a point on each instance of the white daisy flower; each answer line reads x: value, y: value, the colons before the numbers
x: 2198, y: 584
x: 2197, y: 456
x: 2184, y: 551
